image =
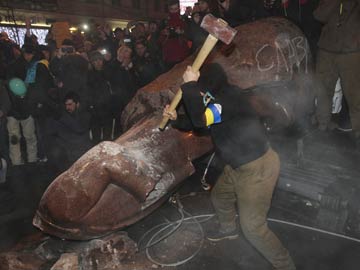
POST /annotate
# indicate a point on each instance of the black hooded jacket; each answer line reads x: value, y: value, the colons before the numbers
x: 239, y: 137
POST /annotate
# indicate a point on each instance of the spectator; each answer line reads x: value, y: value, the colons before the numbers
x: 69, y: 135
x: 88, y: 47
x: 19, y: 119
x: 106, y: 53
x: 121, y: 75
x: 4, y: 108
x: 207, y: 6
x: 301, y: 13
x: 152, y: 39
x: 236, y: 12
x: 78, y: 40
x: 204, y: 6
x: 20, y: 66
x: 138, y: 31
x: 100, y: 100
x: 70, y: 71
x: 45, y: 53
x: 7, y: 54
x: 172, y: 40
x: 106, y: 39
x: 42, y: 96
x: 29, y: 38
x: 187, y: 15
x: 146, y: 66
x: 50, y: 40
x: 119, y: 36
x: 338, y: 56
x: 195, y: 33
x: 67, y: 48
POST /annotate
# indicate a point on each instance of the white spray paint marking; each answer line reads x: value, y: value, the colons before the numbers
x: 289, y: 52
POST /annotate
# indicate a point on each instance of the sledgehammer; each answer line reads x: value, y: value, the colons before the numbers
x: 218, y: 30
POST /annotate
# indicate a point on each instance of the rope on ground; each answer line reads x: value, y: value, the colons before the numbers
x: 198, y: 219
x: 154, y: 240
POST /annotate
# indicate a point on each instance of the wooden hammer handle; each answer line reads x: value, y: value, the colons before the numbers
x: 205, y: 50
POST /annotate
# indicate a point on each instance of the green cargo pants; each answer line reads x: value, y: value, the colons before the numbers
x: 329, y: 67
x: 251, y: 186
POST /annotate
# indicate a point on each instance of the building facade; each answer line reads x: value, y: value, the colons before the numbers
x: 115, y: 12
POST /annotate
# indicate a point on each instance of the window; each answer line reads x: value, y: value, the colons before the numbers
x: 17, y: 35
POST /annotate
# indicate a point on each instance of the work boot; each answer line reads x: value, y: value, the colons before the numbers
x: 220, y: 235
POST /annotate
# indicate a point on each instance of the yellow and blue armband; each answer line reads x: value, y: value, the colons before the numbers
x: 213, y: 114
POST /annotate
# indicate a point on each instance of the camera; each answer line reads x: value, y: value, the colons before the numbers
x: 127, y: 40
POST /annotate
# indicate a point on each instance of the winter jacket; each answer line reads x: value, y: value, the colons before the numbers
x: 341, y: 19
x: 100, y: 94
x: 71, y: 132
x: 20, y: 107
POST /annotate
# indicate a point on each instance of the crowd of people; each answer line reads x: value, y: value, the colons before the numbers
x: 58, y: 101
x: 105, y: 67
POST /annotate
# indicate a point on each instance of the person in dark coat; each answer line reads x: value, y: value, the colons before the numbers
x: 146, y: 66
x: 172, y: 39
x: 20, y: 123
x: 19, y: 67
x: 7, y: 54
x: 69, y: 134
x: 338, y: 57
x: 100, y: 99
x: 124, y: 82
x: 70, y: 71
x: 43, y: 96
x: 4, y: 108
x: 299, y: 12
x: 237, y: 12
x: 195, y: 33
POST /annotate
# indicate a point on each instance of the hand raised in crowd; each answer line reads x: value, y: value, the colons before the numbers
x: 190, y: 75
x: 168, y: 113
x: 27, y: 23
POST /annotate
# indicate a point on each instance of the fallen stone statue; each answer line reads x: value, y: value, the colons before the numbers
x: 117, y: 183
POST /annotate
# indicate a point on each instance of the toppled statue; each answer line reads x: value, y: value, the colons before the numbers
x: 117, y: 183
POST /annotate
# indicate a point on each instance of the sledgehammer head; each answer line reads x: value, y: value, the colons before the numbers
x: 218, y: 28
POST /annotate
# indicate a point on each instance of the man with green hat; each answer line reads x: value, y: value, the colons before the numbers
x: 20, y: 123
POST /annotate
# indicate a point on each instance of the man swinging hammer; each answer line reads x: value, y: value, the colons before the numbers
x: 252, y: 166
